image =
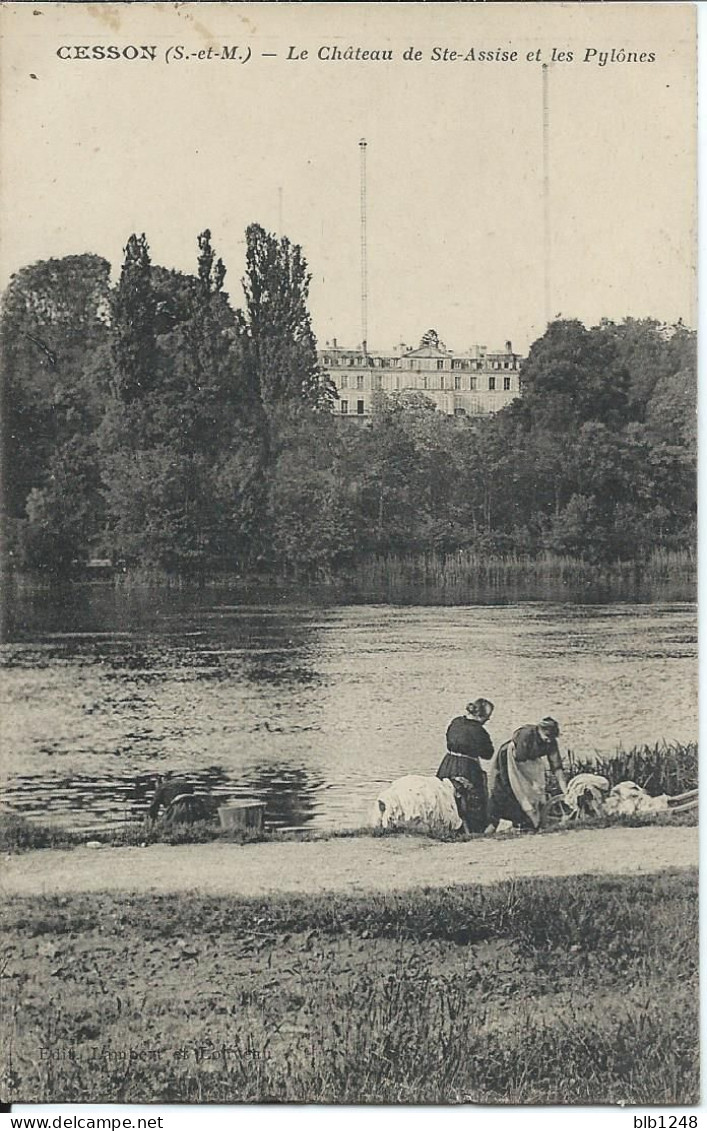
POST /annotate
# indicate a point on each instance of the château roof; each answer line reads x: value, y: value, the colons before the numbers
x: 427, y: 351
x: 431, y: 348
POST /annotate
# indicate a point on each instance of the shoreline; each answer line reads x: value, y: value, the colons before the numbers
x: 348, y: 866
x: 425, y: 577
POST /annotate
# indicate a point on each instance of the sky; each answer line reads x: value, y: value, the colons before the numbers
x: 94, y: 150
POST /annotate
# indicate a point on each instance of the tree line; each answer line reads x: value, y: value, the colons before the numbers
x: 155, y: 423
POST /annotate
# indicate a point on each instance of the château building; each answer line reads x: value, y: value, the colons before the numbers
x: 472, y: 383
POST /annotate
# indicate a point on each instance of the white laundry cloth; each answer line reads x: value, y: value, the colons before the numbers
x: 628, y: 798
x: 588, y: 793
x: 417, y: 800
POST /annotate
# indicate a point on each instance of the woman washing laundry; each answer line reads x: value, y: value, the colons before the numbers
x: 517, y: 790
x: 467, y: 742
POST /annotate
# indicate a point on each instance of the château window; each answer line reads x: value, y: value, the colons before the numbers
x: 344, y: 407
x: 424, y: 381
x: 359, y: 408
x: 472, y: 383
x: 440, y: 363
x: 492, y: 384
x: 359, y: 381
x: 441, y: 381
x: 457, y: 382
x: 344, y: 381
x: 506, y: 384
x: 377, y: 383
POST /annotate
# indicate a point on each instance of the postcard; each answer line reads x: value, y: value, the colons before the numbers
x: 349, y: 554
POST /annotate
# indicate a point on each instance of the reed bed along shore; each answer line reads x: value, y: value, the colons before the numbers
x: 579, y: 990
x: 666, y: 767
x: 462, y: 576
x: 466, y: 576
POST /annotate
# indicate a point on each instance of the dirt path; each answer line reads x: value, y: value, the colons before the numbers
x: 347, y: 865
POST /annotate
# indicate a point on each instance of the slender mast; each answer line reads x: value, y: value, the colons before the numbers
x: 364, y: 252
x: 546, y: 192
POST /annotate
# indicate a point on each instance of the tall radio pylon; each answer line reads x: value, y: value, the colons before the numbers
x: 546, y: 193
x: 364, y: 251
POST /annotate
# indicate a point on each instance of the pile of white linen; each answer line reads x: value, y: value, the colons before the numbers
x: 627, y: 798
x: 417, y: 801
x: 587, y: 793
x: 590, y: 793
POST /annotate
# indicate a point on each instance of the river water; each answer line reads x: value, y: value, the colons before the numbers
x: 310, y: 708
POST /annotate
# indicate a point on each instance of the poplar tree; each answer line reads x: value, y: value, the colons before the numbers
x: 133, y: 323
x: 279, y: 341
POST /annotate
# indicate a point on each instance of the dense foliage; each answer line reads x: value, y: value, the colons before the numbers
x: 152, y: 423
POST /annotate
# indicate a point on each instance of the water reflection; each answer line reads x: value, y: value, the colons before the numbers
x: 82, y: 801
x: 290, y: 793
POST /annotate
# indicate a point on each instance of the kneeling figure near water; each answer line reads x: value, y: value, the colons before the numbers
x: 181, y: 803
x: 517, y: 788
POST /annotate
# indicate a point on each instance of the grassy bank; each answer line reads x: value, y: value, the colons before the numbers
x: 20, y: 835
x: 545, y: 991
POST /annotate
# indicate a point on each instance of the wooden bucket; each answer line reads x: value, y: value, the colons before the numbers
x: 242, y: 815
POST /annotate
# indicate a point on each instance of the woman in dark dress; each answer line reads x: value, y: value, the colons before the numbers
x: 467, y: 742
x: 517, y: 775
